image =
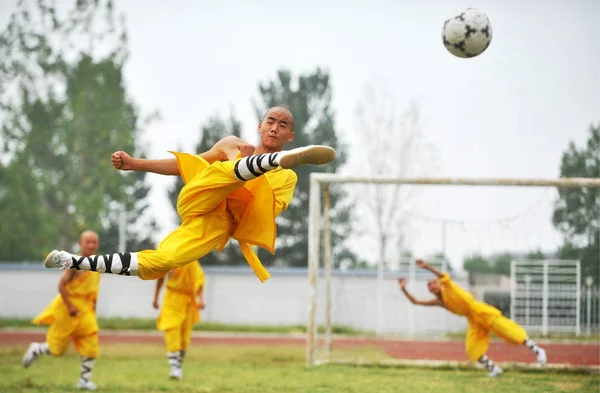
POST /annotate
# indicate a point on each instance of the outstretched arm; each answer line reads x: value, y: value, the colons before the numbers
x: 423, y: 265
x: 224, y: 150
x: 432, y: 302
x: 124, y: 162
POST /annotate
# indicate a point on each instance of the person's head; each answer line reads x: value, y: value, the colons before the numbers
x: 89, y: 243
x: 276, y: 128
x: 434, y: 286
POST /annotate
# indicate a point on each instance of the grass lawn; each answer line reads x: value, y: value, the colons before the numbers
x: 223, y: 369
x: 150, y: 324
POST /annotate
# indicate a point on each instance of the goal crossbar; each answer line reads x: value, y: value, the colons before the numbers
x: 572, y: 182
x: 320, y: 181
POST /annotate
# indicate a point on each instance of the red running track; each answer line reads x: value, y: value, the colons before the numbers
x: 575, y: 354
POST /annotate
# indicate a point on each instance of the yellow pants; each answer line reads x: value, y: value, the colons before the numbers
x: 206, y: 223
x: 478, y: 335
x: 83, y: 330
x: 179, y: 338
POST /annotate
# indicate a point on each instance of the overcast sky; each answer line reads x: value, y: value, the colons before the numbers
x: 507, y: 113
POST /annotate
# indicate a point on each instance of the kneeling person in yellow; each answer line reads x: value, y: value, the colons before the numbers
x: 180, y: 311
x: 72, y: 316
x: 232, y: 191
x: 482, y: 318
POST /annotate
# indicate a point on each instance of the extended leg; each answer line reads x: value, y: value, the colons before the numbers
x: 251, y: 167
x: 513, y: 333
x: 191, y: 241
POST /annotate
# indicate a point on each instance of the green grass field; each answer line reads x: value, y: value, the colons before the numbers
x: 150, y: 324
x: 223, y: 369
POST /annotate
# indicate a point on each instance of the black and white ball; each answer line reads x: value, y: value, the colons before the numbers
x: 467, y: 33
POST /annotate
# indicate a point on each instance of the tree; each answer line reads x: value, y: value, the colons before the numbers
x: 576, y: 210
x: 19, y: 206
x: 64, y: 111
x: 391, y: 144
x: 536, y: 255
x: 309, y: 98
x: 477, y: 264
x: 211, y: 132
x: 501, y: 263
x: 497, y: 264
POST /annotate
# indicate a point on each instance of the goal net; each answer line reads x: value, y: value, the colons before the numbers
x: 500, y: 228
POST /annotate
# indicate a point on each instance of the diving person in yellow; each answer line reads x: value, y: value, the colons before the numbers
x: 482, y: 318
x: 72, y: 316
x: 180, y: 311
x: 225, y: 196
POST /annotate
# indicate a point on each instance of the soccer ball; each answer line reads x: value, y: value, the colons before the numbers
x: 467, y: 33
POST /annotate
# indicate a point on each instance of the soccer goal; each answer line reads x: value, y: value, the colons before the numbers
x: 369, y: 299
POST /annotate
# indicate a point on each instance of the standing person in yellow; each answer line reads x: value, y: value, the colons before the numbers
x: 180, y: 311
x: 225, y: 196
x: 72, y: 316
x: 482, y: 318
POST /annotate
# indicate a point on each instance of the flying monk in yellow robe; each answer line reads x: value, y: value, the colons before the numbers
x: 180, y: 311
x: 482, y: 318
x: 232, y: 191
x: 72, y: 316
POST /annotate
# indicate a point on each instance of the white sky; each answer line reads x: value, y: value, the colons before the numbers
x: 508, y: 113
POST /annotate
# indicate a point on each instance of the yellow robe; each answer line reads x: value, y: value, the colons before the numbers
x: 83, y: 328
x: 482, y: 318
x: 179, y: 311
x: 214, y: 206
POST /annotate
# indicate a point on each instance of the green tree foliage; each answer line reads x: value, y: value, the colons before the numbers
x: 19, y: 207
x: 309, y: 98
x: 477, y: 264
x: 577, y: 210
x: 64, y: 111
x: 499, y: 264
x: 212, y: 131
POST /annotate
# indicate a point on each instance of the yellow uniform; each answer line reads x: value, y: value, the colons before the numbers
x: 214, y: 205
x: 482, y: 318
x: 83, y: 328
x: 179, y: 311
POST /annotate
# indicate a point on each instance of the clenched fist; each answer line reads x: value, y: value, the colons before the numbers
x: 246, y: 150
x: 121, y: 160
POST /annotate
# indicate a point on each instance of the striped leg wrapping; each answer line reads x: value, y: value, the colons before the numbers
x: 87, y: 364
x: 251, y: 167
x: 486, y: 362
x: 122, y: 263
x: 174, y: 359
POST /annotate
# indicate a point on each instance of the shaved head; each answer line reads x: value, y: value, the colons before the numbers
x: 281, y: 108
x: 89, y: 241
x: 87, y: 234
x: 276, y: 129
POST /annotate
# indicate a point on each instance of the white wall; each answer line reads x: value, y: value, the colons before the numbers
x: 234, y: 295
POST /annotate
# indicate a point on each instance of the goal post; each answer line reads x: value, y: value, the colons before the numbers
x: 319, y: 220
